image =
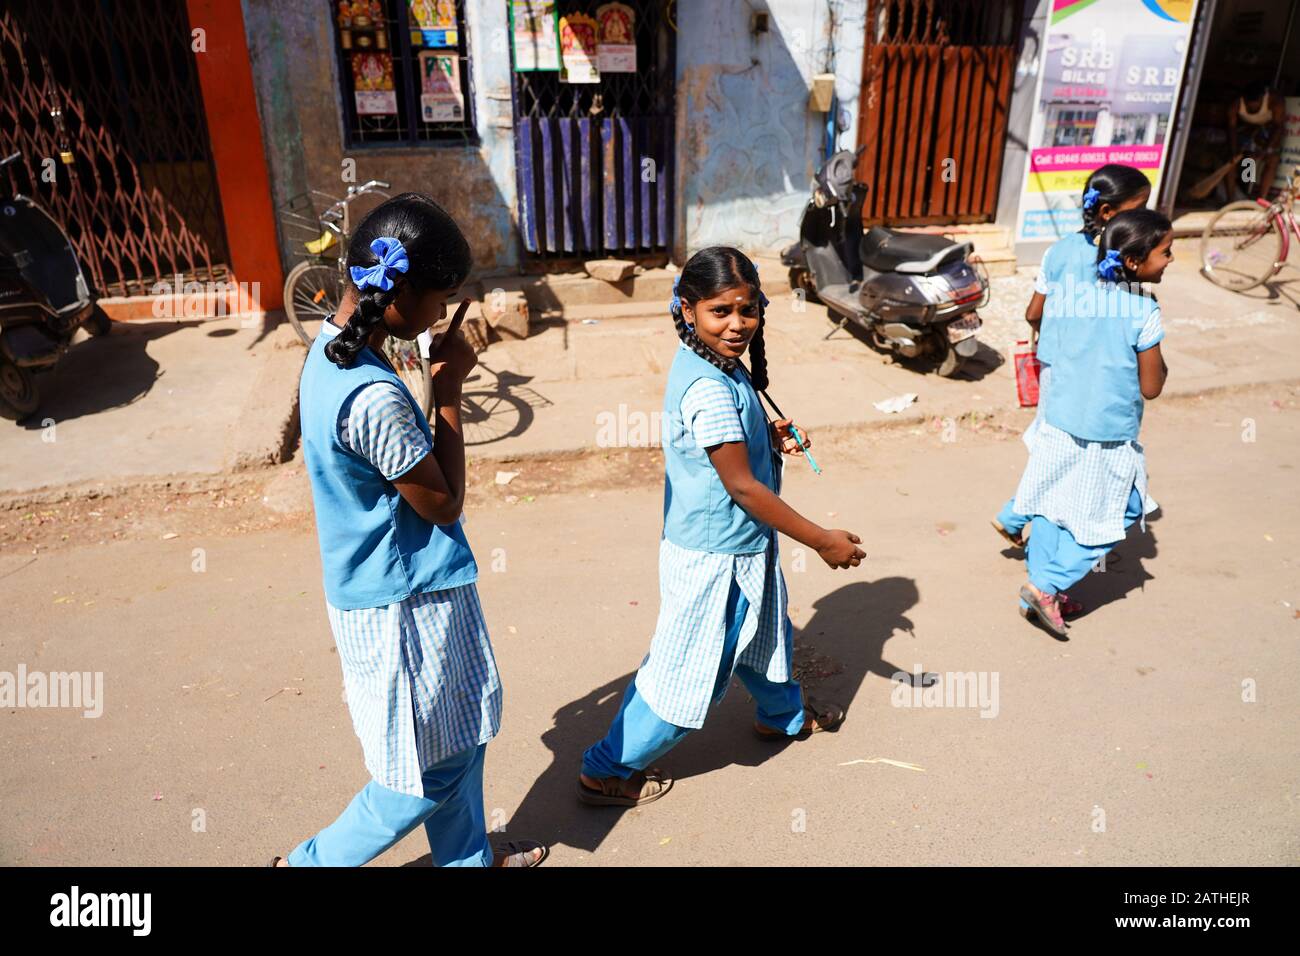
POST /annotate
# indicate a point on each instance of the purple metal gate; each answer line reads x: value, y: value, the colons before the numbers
x: 593, y: 162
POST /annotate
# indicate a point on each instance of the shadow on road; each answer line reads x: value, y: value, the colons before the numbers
x: 846, y: 636
x: 1099, y: 588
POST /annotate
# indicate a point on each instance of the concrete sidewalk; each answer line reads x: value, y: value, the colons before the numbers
x: 194, y: 397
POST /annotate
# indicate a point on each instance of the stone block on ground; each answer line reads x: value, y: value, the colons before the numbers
x: 506, y: 312
x: 609, y: 270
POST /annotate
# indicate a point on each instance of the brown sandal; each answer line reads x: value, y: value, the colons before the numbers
x: 825, y: 717
x: 1015, y: 540
x: 516, y: 848
x: 654, y: 784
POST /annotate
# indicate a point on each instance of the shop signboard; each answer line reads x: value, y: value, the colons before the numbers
x: 1109, y: 79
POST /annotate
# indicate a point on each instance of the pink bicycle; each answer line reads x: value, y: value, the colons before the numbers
x: 1246, y: 242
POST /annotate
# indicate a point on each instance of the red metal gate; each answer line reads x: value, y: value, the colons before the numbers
x: 936, y: 86
x: 140, y: 197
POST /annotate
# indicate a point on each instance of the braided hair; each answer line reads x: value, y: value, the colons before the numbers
x: 1109, y: 185
x: 707, y: 273
x: 439, y: 259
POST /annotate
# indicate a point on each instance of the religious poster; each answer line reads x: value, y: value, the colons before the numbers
x: 616, y: 47
x: 433, y: 23
x: 534, y: 35
x: 578, y: 36
x: 1108, y: 85
x: 441, y: 100
x: 372, y: 84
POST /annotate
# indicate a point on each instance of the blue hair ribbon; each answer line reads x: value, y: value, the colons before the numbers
x: 392, y: 260
x: 1090, y: 197
x: 1111, y: 267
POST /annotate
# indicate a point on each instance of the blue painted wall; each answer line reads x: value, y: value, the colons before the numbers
x: 747, y: 142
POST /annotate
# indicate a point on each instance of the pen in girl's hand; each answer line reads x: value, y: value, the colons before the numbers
x: 798, y: 440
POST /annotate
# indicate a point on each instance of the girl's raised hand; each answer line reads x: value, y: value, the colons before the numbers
x: 786, y: 437
x: 453, y: 358
x: 840, y: 549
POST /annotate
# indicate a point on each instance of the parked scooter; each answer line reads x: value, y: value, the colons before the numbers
x: 914, y: 294
x: 44, y: 299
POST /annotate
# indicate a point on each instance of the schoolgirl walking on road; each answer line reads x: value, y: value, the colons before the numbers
x: 1068, y: 266
x: 722, y: 595
x: 1086, y: 481
x: 388, y: 490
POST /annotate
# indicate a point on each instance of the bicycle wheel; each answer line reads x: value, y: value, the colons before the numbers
x: 312, y: 292
x: 413, y: 369
x: 1241, y: 245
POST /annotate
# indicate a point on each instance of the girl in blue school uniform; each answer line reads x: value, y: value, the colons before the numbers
x: 1086, y: 480
x: 388, y: 489
x: 1069, y: 263
x: 722, y: 595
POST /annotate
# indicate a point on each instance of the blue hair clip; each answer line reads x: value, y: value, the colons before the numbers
x: 1090, y: 197
x: 392, y: 260
x: 1111, y: 267
x: 762, y: 300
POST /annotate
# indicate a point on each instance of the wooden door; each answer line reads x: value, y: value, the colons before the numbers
x: 936, y: 87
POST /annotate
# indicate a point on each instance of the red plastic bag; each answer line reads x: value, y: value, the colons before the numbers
x: 1027, y: 368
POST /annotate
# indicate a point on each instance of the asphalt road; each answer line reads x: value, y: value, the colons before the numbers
x: 224, y: 739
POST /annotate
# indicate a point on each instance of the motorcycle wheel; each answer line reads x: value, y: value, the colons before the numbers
x: 18, y: 394
x: 951, y: 362
x: 98, y: 323
x: 801, y: 279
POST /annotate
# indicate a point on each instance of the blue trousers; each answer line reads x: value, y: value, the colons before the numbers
x: 638, y: 736
x: 1056, y: 561
x: 451, y: 811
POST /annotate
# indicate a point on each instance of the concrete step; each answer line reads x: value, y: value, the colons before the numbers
x: 557, y: 292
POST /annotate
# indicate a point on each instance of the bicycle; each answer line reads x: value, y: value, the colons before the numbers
x: 1246, y: 242
x: 313, y: 289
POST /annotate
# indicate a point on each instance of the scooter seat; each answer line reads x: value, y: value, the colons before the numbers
x: 888, y: 250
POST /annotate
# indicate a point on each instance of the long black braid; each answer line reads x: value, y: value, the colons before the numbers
x: 705, y: 274
x: 345, y: 346
x: 1115, y: 184
x: 439, y: 258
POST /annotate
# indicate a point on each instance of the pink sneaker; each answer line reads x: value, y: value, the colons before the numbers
x: 1047, y: 608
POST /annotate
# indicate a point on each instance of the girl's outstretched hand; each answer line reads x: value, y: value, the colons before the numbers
x: 840, y: 549
x: 786, y: 437
x: 452, y: 358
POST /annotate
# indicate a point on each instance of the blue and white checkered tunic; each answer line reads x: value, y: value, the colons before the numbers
x: 1084, y: 486
x: 420, y: 676
x: 679, y: 673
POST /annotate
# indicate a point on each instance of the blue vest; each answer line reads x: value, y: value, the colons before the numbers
x: 374, y: 548
x: 1095, y: 390
x: 698, y: 512
x: 1069, y: 263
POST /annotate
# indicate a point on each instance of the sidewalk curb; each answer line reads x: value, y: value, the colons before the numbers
x: 191, y: 483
